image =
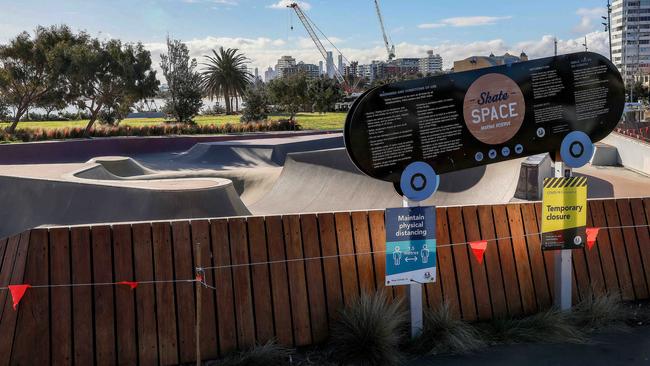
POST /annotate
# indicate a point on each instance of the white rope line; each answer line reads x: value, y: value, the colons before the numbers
x: 383, y: 251
x: 201, y: 270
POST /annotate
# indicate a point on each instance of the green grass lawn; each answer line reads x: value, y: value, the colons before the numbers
x: 308, y: 121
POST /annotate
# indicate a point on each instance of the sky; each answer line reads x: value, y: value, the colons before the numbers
x: 261, y: 29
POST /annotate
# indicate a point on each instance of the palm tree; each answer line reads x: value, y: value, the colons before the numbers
x: 225, y: 76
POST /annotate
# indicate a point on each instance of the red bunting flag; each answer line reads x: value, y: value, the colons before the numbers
x: 199, y: 277
x: 17, y: 293
x: 592, y: 234
x: 478, y: 248
x: 133, y: 285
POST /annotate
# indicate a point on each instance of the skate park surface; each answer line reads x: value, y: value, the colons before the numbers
x: 263, y: 176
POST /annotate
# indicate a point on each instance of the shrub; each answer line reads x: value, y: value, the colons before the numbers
x: 551, y: 326
x: 600, y: 312
x: 369, y: 332
x: 442, y: 333
x: 270, y: 354
x: 29, y: 134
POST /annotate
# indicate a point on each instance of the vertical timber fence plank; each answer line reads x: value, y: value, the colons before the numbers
x: 604, y: 247
x: 597, y: 281
x: 331, y: 267
x: 642, y: 234
x: 446, y: 263
x: 208, y: 331
x: 297, y: 280
x: 632, y: 249
x: 522, y: 264
x: 378, y: 246
x: 315, y: 281
x: 433, y: 290
x: 279, y: 281
x: 127, y: 352
x: 481, y: 285
x: 618, y: 248
x: 491, y: 262
x: 242, y: 283
x: 361, y: 246
x: 33, y: 311
x: 105, y: 348
x: 185, y: 305
x: 507, y: 258
x: 534, y: 245
x: 60, y: 306
x: 165, y: 299
x: 261, y: 279
x: 13, y: 272
x: 461, y: 259
x: 145, y: 296
x: 347, y: 260
x: 227, y: 330
x: 82, y: 297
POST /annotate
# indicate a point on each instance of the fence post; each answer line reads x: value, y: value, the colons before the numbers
x: 197, y: 285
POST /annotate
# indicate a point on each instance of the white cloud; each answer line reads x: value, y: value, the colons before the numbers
x: 464, y: 22
x: 587, y: 18
x: 218, y: 2
x: 282, y: 4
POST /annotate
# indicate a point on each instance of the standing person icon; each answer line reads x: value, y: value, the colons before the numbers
x: 397, y: 256
x: 424, y: 253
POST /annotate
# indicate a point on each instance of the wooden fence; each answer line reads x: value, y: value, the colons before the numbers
x: 291, y: 300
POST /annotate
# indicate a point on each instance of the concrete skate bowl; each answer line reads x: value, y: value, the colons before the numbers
x: 327, y: 180
x: 31, y: 202
x: 125, y: 168
x: 250, y: 153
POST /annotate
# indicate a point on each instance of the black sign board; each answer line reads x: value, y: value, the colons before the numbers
x: 468, y: 119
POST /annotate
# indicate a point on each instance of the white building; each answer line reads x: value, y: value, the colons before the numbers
x: 284, y: 63
x: 631, y: 37
x: 330, y: 65
x: 269, y: 74
x: 431, y: 64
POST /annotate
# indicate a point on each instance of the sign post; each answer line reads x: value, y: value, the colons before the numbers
x: 415, y: 291
x: 563, y: 258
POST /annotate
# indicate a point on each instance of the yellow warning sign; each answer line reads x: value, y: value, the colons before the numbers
x: 564, y: 213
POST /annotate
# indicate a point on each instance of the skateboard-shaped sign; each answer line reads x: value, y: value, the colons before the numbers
x: 468, y: 119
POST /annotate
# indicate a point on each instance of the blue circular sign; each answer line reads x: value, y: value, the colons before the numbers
x: 505, y: 151
x: 419, y: 181
x: 519, y: 148
x: 577, y: 149
x: 478, y: 156
x: 492, y: 154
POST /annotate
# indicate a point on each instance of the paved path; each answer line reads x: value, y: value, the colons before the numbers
x: 611, y: 349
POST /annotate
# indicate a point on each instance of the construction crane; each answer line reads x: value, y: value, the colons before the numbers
x: 309, y: 26
x: 390, y: 48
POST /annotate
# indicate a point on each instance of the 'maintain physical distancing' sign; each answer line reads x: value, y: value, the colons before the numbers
x: 410, y: 245
x: 564, y: 213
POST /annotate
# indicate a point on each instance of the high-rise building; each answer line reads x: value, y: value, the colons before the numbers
x: 631, y: 38
x: 431, y: 64
x: 340, y: 64
x: 351, y: 70
x: 310, y: 70
x: 269, y: 74
x: 330, y: 65
x: 284, y: 63
x: 320, y: 68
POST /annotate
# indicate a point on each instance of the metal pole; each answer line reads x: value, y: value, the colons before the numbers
x: 609, y: 28
x: 563, y: 260
x: 414, y: 291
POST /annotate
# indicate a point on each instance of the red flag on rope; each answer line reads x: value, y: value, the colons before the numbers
x: 17, y: 293
x: 592, y: 234
x: 199, y: 277
x: 478, y: 248
x: 133, y: 285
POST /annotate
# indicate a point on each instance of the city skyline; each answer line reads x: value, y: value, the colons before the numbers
x: 262, y: 28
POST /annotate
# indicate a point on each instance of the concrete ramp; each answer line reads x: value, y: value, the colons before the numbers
x: 260, y: 152
x: 121, y: 166
x: 328, y: 181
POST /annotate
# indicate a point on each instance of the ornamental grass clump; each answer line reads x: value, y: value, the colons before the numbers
x: 268, y: 354
x: 550, y: 326
x: 443, y: 334
x: 369, y: 332
x: 595, y: 313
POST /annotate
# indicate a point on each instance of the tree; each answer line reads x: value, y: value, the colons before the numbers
x: 34, y: 67
x: 324, y: 93
x: 52, y: 101
x: 257, y: 104
x: 184, y: 97
x: 225, y: 76
x: 638, y: 91
x: 108, y: 76
x: 289, y: 92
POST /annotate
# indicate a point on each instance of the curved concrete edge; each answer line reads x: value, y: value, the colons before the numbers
x: 29, y: 203
x: 631, y: 153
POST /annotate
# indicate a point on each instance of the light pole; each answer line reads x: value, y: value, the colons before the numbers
x: 608, y: 27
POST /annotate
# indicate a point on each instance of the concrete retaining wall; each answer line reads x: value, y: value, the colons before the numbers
x: 632, y: 153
